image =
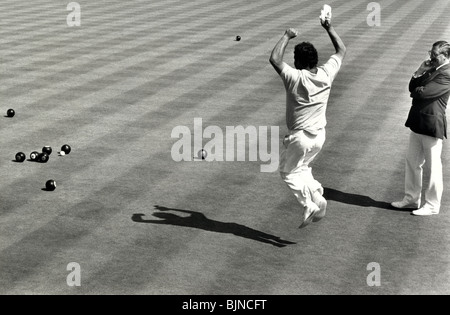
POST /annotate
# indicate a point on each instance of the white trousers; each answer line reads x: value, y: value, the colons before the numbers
x: 424, y: 157
x: 300, y: 149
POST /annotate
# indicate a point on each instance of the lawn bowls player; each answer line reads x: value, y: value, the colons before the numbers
x: 430, y: 91
x: 308, y: 90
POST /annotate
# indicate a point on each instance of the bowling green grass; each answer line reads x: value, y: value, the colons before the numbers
x: 137, y: 222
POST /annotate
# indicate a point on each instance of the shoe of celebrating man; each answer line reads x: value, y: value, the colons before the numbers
x: 309, y: 215
x: 423, y: 212
x: 322, y: 204
x: 405, y: 204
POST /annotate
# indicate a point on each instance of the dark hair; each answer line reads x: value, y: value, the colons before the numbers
x: 444, y: 48
x: 306, y: 55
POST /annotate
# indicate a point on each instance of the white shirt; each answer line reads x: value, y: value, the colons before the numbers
x: 445, y: 63
x: 307, y: 95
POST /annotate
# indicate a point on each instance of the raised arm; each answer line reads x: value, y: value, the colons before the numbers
x: 276, y: 59
x: 339, y: 45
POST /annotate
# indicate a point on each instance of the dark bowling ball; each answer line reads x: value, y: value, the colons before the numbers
x: 66, y: 149
x: 43, y: 158
x: 47, y: 150
x: 20, y: 157
x: 10, y: 113
x: 50, y: 185
x: 34, y: 156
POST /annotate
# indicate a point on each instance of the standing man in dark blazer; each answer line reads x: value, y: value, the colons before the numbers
x: 430, y: 91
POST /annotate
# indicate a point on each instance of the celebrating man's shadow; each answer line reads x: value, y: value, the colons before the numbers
x: 200, y: 221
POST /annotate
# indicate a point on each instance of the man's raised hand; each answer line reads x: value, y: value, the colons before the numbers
x: 292, y: 33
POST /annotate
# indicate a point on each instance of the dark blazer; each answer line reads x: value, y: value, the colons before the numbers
x: 430, y: 94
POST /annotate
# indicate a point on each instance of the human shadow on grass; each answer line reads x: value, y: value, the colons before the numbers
x: 358, y: 200
x: 198, y: 220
